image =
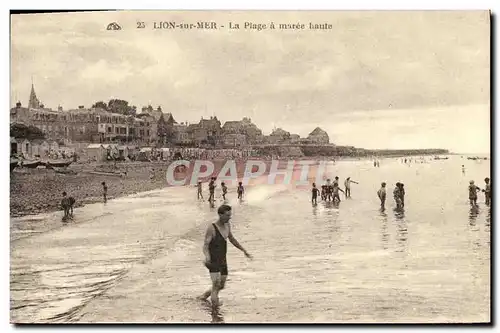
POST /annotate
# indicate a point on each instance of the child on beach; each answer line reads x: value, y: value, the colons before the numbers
x: 315, y: 191
x: 211, y: 189
x: 487, y: 191
x: 473, y: 189
x: 335, y: 191
x: 382, y: 195
x: 104, y: 191
x: 240, y: 190
x: 65, y: 206
x: 200, y: 194
x: 224, y: 190
x: 347, y: 185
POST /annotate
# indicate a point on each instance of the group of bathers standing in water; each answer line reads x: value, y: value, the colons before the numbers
x: 217, y: 234
x: 330, y: 191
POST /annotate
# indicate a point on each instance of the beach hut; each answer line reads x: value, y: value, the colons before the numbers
x: 26, y: 148
x: 123, y: 152
x: 39, y: 147
x: 96, y: 152
x: 111, y: 151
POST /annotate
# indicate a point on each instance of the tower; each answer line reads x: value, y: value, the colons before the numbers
x: 33, y: 103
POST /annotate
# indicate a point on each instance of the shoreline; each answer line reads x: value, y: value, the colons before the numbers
x: 36, y: 191
x: 39, y: 191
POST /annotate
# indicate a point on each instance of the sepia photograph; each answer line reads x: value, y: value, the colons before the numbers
x: 216, y: 166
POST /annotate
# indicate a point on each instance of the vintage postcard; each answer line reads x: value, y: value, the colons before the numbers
x: 250, y: 167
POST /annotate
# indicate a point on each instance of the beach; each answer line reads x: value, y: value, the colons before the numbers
x: 138, y: 258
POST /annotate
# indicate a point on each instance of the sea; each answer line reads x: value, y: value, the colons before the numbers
x: 138, y: 259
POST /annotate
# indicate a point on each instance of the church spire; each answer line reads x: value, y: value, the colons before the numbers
x: 33, y: 103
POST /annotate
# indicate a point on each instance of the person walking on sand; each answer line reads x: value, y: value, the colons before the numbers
x: 104, y: 191
x: 347, y: 185
x: 71, y: 202
x: 382, y: 195
x: 215, y: 251
x: 473, y: 189
x: 240, y: 190
x: 200, y: 194
x: 314, y: 199
x: 65, y: 206
x: 487, y: 191
x: 224, y: 190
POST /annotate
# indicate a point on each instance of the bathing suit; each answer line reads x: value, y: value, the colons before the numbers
x: 218, y: 250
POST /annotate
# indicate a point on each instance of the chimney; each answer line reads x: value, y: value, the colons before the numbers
x: 59, y: 108
x: 18, y: 105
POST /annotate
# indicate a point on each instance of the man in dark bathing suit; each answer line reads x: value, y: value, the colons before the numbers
x: 215, y: 250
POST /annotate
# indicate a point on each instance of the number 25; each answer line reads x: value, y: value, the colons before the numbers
x: 140, y: 25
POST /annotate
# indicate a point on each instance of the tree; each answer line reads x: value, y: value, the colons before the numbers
x: 20, y: 131
x: 117, y: 106
x: 100, y: 105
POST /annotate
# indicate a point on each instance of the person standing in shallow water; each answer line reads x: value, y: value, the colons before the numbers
x: 211, y: 189
x: 335, y: 190
x: 240, y: 190
x: 347, y: 185
x: 105, y: 191
x: 200, y: 194
x: 215, y: 251
x: 224, y: 190
x: 487, y: 191
x: 397, y: 195
x: 315, y: 191
x: 382, y: 195
x: 473, y: 189
x: 402, y: 194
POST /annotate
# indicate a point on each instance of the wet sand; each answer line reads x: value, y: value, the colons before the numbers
x: 35, y: 191
x: 138, y: 259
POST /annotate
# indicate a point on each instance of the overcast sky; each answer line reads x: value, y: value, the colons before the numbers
x: 375, y: 80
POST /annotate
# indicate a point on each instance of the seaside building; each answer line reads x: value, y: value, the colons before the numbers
x: 279, y: 136
x: 318, y: 136
x: 83, y: 125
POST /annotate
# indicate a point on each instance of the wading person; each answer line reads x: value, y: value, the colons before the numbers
x: 473, y: 189
x: 347, y: 185
x: 397, y: 195
x: 402, y: 194
x: 336, y: 189
x: 215, y: 250
x: 200, y: 194
x: 211, y: 190
x: 487, y: 191
x: 224, y: 190
x: 315, y: 191
x: 382, y: 195
x: 240, y: 190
